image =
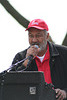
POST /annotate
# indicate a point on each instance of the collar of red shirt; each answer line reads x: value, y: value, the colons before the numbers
x: 47, y: 54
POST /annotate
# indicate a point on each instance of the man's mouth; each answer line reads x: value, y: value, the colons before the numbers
x: 35, y: 44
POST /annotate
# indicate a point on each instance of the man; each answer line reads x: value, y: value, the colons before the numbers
x: 47, y: 57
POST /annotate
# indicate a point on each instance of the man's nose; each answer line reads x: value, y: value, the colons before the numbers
x: 34, y: 39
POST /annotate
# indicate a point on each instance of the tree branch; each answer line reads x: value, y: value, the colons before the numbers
x: 23, y: 21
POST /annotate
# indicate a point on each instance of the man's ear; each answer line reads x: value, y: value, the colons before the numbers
x: 47, y: 35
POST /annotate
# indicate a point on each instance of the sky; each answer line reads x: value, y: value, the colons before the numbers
x: 13, y: 37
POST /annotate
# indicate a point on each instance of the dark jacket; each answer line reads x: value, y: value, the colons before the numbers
x: 58, y: 64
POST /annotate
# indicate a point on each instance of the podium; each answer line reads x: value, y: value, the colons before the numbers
x: 26, y: 85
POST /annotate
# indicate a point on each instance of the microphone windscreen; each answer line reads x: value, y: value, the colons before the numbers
x: 37, y: 46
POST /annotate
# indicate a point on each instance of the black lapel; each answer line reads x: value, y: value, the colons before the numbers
x: 34, y: 65
x: 53, y: 54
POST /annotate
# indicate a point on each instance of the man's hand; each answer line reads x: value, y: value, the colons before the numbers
x: 60, y: 94
x: 31, y: 51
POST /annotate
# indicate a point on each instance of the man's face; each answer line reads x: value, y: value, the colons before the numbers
x: 38, y: 37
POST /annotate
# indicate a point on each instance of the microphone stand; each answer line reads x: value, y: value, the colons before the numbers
x: 2, y: 75
x: 30, y: 58
x: 11, y: 67
x: 14, y: 65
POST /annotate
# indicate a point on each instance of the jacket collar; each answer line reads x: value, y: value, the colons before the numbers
x: 53, y: 50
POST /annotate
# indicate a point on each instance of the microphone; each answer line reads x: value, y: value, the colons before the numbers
x: 30, y: 58
x: 37, y: 46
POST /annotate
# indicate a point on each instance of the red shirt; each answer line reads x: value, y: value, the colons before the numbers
x: 44, y: 66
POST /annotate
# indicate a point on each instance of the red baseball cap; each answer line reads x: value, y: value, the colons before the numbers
x: 39, y: 24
